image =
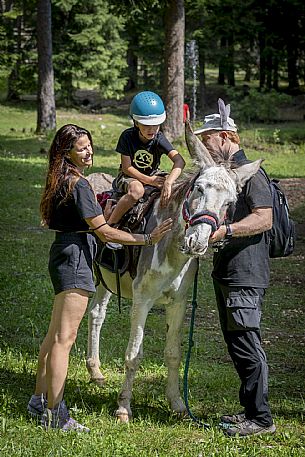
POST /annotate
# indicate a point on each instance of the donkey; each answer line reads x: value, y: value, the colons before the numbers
x: 165, y: 271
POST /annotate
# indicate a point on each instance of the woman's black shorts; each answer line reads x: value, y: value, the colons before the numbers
x: 71, y: 261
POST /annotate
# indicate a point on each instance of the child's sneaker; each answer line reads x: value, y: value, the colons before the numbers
x: 37, y: 405
x: 59, y: 418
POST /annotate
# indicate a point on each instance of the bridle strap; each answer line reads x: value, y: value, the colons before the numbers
x: 202, y: 217
x: 205, y: 217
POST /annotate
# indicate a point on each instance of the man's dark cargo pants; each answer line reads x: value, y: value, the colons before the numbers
x: 240, y: 314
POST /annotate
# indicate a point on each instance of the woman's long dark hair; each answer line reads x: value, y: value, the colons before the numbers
x: 62, y: 173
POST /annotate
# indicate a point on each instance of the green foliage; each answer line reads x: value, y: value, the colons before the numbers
x: 3, y: 84
x: 247, y: 33
x: 144, y: 34
x: 88, y: 46
x: 16, y: 42
x: 257, y: 106
x: 92, y: 41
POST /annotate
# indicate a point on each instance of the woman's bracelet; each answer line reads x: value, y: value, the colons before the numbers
x: 147, y: 239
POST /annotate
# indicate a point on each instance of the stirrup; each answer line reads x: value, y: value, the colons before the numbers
x: 114, y: 246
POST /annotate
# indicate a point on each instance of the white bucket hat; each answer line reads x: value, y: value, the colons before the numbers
x: 220, y: 121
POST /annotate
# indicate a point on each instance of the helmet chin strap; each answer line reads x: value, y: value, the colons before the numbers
x: 143, y: 136
x: 147, y: 139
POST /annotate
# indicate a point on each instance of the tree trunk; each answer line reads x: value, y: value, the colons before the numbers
x: 248, y: 73
x: 67, y: 88
x: 293, y: 82
x: 222, y: 64
x: 132, y: 62
x: 145, y: 76
x: 230, y: 61
x: 174, y: 68
x: 13, y: 79
x: 46, y: 112
x: 269, y: 68
x: 262, y: 61
x: 202, y: 81
x: 275, y: 83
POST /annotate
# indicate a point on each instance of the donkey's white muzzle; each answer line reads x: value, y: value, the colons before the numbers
x: 196, y: 240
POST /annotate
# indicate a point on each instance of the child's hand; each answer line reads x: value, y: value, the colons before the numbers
x: 157, y: 181
x: 165, y: 193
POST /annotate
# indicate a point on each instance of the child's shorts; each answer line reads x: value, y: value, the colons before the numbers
x: 121, y: 183
x: 71, y: 261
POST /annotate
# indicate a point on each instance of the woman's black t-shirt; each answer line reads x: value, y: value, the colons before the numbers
x: 69, y: 216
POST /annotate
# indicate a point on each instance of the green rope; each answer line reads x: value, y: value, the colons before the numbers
x: 188, y: 357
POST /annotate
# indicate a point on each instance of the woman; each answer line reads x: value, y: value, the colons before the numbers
x: 69, y: 207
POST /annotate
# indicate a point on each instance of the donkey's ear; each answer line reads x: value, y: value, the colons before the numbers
x: 197, y: 150
x: 245, y: 172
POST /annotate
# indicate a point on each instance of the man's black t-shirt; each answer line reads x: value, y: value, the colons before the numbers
x: 69, y: 216
x: 145, y: 157
x: 244, y: 261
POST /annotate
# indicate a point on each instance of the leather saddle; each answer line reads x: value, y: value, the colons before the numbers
x: 125, y: 258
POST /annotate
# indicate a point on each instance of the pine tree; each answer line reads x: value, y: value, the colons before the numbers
x: 88, y: 47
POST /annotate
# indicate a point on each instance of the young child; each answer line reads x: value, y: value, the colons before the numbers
x: 141, y: 148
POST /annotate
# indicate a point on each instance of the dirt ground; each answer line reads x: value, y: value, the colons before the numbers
x: 295, y: 190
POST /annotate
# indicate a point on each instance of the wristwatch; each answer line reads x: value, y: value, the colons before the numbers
x: 229, y: 231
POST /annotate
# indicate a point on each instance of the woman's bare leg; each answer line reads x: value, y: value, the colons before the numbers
x: 68, y: 311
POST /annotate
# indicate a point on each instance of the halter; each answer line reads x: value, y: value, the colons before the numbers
x: 201, y: 217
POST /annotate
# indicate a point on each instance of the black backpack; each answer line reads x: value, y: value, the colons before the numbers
x: 282, y: 234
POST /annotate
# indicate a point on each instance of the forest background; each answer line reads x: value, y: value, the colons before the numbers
x: 254, y: 50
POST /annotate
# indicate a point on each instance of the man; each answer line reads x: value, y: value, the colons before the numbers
x: 241, y: 276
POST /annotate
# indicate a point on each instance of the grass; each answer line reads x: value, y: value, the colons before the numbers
x: 26, y: 298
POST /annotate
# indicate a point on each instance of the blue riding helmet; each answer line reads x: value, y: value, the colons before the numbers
x: 147, y: 108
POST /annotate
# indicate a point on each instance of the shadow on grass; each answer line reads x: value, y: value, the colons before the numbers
x: 34, y: 146
x: 29, y: 105
x: 17, y: 388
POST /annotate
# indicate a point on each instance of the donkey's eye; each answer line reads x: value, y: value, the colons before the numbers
x: 200, y: 190
x: 225, y: 206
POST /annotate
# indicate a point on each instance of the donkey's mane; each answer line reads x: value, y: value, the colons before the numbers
x: 180, y: 187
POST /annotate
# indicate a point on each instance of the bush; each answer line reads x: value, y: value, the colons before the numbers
x: 257, y: 106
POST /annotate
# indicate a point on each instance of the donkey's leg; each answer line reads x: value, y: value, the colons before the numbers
x: 172, y: 354
x: 133, y: 356
x: 97, y: 313
x: 175, y: 314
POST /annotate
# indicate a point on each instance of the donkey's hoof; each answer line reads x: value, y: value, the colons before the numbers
x: 178, y: 407
x: 122, y: 418
x: 182, y: 414
x: 122, y: 415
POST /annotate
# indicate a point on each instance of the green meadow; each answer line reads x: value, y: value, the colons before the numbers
x: 26, y: 300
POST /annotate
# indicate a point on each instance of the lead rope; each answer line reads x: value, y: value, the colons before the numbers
x: 188, y: 356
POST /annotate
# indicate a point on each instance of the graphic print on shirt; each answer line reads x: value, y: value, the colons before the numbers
x: 143, y: 159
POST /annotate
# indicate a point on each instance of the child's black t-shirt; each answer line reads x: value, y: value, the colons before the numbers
x: 145, y: 157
